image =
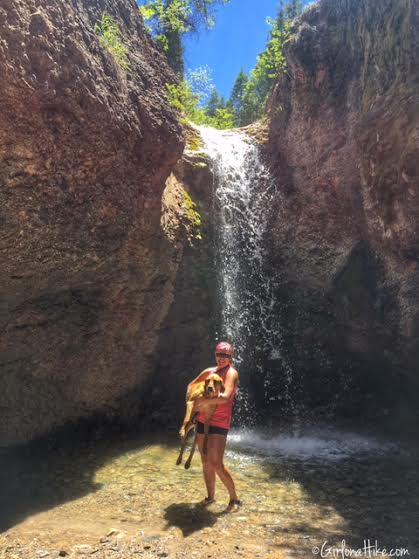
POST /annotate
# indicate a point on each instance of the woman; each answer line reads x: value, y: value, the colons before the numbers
x: 212, y: 461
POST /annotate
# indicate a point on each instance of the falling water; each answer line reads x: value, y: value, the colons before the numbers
x: 243, y: 195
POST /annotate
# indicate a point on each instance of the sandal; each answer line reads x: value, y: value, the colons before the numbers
x: 234, y: 505
x: 205, y: 502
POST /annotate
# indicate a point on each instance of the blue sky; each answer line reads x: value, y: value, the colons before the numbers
x: 239, y: 35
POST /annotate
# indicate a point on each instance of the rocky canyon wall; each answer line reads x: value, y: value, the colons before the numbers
x: 108, y: 287
x: 187, y: 334
x: 344, y: 145
x: 87, y: 271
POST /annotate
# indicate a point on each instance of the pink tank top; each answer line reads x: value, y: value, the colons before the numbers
x: 223, y: 412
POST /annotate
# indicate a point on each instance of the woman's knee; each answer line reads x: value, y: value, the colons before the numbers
x: 204, y: 460
x: 217, y: 465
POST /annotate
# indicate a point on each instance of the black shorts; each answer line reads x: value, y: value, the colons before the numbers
x: 213, y: 429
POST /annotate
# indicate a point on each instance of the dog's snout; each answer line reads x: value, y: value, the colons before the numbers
x: 210, y: 389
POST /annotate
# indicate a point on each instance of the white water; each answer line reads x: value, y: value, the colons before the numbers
x: 250, y: 316
x: 243, y: 194
x: 321, y: 444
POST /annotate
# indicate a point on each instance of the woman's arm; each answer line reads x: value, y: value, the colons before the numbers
x: 232, y: 378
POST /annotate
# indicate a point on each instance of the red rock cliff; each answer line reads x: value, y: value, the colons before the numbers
x: 85, y: 149
x: 344, y: 141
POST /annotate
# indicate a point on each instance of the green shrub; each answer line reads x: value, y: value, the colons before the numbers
x: 110, y: 38
x: 186, y: 103
x: 250, y: 93
x: 194, y: 218
x: 169, y: 20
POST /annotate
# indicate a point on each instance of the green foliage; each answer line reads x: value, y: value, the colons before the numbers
x: 169, y: 20
x: 193, y: 139
x: 249, y: 94
x: 223, y: 119
x: 287, y: 13
x: 186, y: 102
x: 188, y: 98
x: 196, y: 98
x: 219, y: 114
x: 110, y: 38
x: 237, y: 98
x: 215, y: 102
x: 194, y: 218
x: 183, y: 100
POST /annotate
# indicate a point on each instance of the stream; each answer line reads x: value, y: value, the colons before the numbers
x: 123, y: 496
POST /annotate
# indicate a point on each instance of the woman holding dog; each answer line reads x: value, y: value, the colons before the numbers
x: 212, y: 461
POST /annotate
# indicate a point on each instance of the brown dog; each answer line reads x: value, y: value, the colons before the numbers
x: 198, y: 398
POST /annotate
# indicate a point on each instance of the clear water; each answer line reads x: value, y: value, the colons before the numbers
x: 297, y: 493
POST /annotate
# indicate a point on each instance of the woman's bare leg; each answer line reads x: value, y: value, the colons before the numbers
x: 216, y: 457
x: 212, y: 463
x: 207, y: 468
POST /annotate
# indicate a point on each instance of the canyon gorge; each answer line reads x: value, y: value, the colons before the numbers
x: 110, y: 287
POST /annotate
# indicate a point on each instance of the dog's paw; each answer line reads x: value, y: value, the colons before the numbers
x: 179, y: 461
x: 187, y: 464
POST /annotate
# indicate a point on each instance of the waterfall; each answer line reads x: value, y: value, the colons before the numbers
x: 248, y: 314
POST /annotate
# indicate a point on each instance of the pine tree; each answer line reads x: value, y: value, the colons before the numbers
x: 287, y: 13
x: 175, y: 51
x: 214, y: 102
x: 293, y: 9
x: 237, y: 97
x: 270, y: 64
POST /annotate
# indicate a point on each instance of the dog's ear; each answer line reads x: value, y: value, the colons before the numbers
x: 222, y: 387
